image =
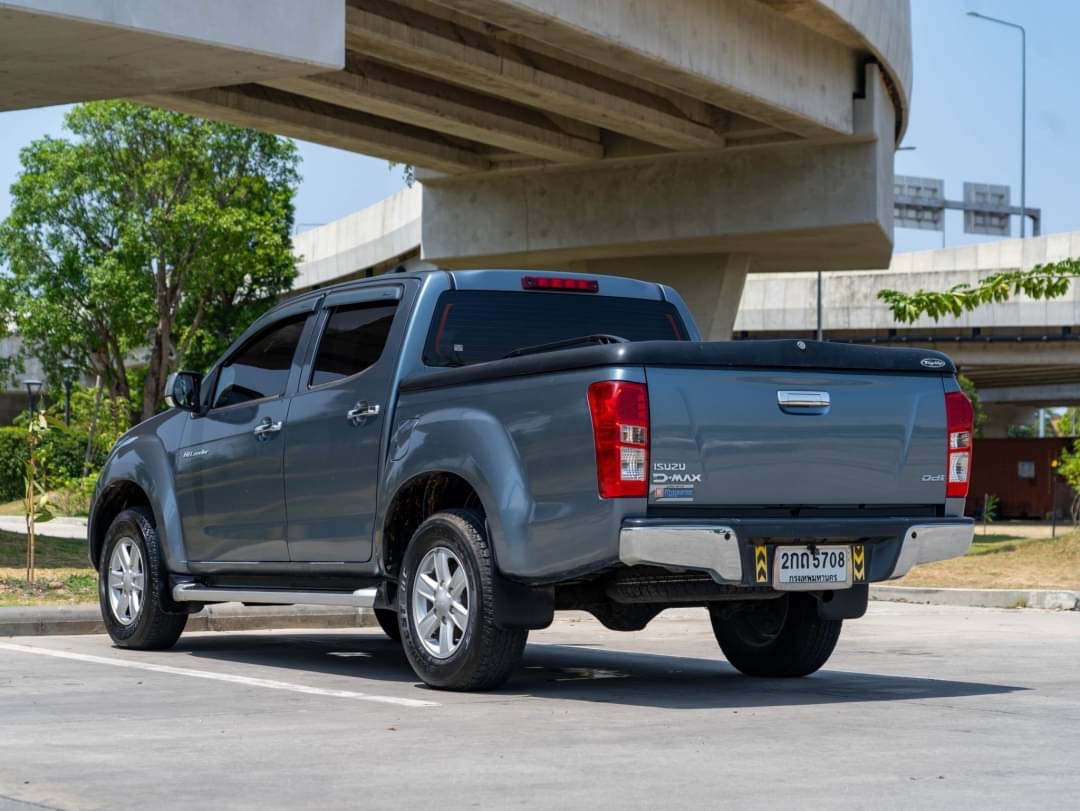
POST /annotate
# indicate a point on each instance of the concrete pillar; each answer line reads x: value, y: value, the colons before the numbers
x: 711, y: 284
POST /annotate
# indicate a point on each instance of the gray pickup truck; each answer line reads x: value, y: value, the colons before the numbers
x: 468, y: 452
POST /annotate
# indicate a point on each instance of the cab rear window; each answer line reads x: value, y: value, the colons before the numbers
x: 472, y: 326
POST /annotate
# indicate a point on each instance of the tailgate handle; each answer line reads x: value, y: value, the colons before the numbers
x: 804, y: 401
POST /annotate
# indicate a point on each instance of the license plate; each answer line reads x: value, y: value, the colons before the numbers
x: 802, y: 568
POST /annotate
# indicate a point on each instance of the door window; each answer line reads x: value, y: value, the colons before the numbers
x: 352, y: 341
x: 261, y: 367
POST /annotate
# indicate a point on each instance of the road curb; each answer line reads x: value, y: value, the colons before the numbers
x: 86, y: 619
x: 981, y: 598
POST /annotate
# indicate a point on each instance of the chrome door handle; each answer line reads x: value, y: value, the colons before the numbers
x: 803, y: 399
x: 266, y: 427
x: 362, y: 411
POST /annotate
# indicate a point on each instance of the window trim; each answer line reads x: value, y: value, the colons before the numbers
x: 302, y: 317
x: 332, y: 305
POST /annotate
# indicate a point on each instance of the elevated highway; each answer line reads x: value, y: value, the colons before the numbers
x: 1022, y: 354
x: 722, y: 135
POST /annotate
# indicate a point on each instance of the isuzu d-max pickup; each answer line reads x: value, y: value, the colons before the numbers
x: 467, y: 452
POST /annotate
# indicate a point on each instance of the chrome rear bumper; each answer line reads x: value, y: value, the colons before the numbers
x: 895, y: 545
x: 710, y: 547
x: 926, y: 543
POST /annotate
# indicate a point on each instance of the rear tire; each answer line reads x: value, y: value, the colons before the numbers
x: 133, y: 585
x: 781, y: 638
x: 446, y: 605
x: 388, y: 621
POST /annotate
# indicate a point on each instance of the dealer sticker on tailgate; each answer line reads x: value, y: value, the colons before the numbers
x: 805, y: 568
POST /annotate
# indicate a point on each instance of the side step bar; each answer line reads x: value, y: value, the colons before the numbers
x: 194, y: 593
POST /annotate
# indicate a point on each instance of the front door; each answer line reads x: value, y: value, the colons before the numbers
x: 335, y: 425
x: 229, y: 465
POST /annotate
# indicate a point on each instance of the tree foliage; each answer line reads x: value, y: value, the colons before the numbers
x: 967, y: 385
x: 151, y: 236
x: 1040, y: 282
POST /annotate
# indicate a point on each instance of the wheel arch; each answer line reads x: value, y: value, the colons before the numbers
x: 116, y: 497
x: 416, y: 500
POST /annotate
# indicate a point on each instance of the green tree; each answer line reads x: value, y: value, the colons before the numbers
x: 1040, y: 282
x: 968, y: 387
x: 150, y: 237
x: 1069, y: 469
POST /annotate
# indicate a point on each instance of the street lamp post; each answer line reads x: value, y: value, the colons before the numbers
x: 1023, y: 111
x: 69, y: 373
x: 32, y: 389
x: 67, y: 402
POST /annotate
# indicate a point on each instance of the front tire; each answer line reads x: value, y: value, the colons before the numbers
x: 446, y: 606
x: 779, y: 638
x: 133, y: 585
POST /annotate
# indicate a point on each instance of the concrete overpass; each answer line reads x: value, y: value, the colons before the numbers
x: 1022, y: 354
x: 718, y: 135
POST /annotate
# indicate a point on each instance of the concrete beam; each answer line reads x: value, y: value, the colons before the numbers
x: 297, y: 117
x: 428, y: 45
x: 736, y: 54
x: 395, y: 94
x: 794, y: 207
x: 385, y: 233
x: 1033, y: 355
x: 882, y: 27
x: 1046, y: 395
x: 57, y: 51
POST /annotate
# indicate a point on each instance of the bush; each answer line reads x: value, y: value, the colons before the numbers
x: 73, y: 496
x: 64, y: 451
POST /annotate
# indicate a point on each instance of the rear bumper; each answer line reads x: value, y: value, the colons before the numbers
x: 725, y: 549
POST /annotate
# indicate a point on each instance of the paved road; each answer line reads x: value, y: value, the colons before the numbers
x: 62, y: 527
x: 920, y: 707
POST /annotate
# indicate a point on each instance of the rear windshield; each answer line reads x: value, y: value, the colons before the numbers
x: 472, y: 326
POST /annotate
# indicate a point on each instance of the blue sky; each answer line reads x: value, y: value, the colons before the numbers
x: 965, y: 120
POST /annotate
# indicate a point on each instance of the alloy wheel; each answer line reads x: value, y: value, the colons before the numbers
x: 440, y: 602
x: 127, y: 580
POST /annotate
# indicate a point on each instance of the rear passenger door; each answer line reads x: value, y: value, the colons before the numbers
x: 336, y: 422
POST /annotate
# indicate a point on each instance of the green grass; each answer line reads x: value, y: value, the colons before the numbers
x: 1004, y: 562
x: 996, y: 544
x: 63, y: 573
x: 50, y: 553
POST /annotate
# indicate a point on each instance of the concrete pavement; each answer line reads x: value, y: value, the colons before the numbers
x: 61, y: 527
x: 921, y: 706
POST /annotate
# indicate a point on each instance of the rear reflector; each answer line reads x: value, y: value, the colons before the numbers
x: 560, y: 283
x: 620, y: 417
x: 960, y: 417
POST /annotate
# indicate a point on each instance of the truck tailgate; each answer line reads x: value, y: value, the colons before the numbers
x: 721, y: 437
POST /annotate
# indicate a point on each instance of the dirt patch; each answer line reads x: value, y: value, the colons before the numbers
x: 1001, y: 562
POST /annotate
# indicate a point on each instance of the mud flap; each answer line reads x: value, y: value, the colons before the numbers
x: 845, y: 604
x: 521, y: 606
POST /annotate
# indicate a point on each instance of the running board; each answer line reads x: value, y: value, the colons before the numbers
x: 194, y: 593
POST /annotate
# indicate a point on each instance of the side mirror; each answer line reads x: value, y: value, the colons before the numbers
x: 182, y: 390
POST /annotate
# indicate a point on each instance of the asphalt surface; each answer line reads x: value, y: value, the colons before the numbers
x: 921, y: 706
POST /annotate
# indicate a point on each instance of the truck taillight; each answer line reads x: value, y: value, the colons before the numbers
x: 960, y: 417
x: 620, y: 417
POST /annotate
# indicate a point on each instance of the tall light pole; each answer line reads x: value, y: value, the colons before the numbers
x: 33, y: 387
x: 1023, y: 111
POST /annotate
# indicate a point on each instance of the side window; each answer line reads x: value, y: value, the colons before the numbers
x: 261, y: 367
x: 353, y: 340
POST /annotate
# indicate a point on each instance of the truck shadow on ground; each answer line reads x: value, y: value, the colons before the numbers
x: 577, y: 673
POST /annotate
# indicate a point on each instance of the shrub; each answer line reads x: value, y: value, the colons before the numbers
x: 64, y: 451
x: 73, y: 496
